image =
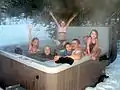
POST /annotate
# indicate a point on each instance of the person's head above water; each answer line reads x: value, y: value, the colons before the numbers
x: 94, y: 34
x: 18, y: 51
x: 75, y: 44
x: 35, y: 43
x: 67, y: 46
x: 47, y: 50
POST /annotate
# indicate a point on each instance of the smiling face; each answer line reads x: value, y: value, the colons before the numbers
x: 93, y: 34
x: 35, y: 43
x: 68, y: 47
x: 62, y: 24
x: 75, y: 44
x: 47, y: 50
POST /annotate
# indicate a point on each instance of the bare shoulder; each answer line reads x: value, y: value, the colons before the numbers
x: 77, y: 51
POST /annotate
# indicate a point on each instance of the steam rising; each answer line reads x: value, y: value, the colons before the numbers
x: 92, y: 10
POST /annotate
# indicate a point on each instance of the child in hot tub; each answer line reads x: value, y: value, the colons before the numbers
x: 47, y: 53
x: 92, y: 46
x: 68, y: 49
x: 62, y: 27
x: 33, y: 43
x: 75, y: 55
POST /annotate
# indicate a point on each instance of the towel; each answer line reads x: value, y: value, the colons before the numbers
x: 67, y: 60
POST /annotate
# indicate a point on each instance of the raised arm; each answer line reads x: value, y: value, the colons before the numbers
x: 70, y: 20
x: 29, y: 27
x: 88, y: 45
x: 54, y: 19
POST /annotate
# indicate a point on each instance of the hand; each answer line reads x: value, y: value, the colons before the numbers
x: 56, y: 58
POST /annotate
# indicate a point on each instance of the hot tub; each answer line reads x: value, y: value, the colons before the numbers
x: 38, y: 75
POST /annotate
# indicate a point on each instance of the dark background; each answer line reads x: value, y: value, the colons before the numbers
x: 95, y: 11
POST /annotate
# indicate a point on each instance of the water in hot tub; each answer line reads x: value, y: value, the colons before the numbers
x: 38, y: 56
x: 112, y: 83
x: 9, y: 41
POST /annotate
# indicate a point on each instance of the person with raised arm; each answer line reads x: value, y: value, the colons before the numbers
x: 33, y: 46
x: 62, y: 27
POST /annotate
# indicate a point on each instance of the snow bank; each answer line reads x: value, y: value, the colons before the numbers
x: 113, y: 82
x: 1, y: 89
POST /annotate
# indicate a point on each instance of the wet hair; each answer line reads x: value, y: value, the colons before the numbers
x: 67, y: 43
x: 34, y: 40
x: 18, y: 51
x: 77, y: 40
x: 94, y: 30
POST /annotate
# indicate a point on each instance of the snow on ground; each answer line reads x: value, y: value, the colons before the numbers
x: 113, y: 82
x: 1, y: 88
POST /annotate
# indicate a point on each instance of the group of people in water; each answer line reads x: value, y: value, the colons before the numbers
x: 75, y: 51
x: 72, y: 50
